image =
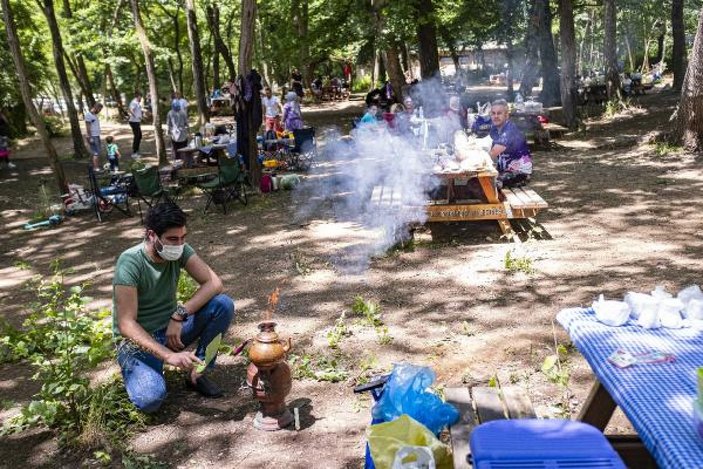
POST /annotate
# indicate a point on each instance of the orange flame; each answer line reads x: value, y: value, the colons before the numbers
x: 272, y: 303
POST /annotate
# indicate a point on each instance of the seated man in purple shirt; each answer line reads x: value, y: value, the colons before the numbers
x: 509, y: 150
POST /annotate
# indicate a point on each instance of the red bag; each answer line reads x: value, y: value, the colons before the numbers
x: 266, y: 184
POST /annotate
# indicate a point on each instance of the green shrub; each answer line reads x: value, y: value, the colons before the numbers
x: 54, y: 125
x: 362, y: 84
x: 61, y: 340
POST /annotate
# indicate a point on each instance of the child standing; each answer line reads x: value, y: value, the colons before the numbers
x: 113, y: 154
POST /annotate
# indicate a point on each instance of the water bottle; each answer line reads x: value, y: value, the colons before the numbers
x: 422, y: 113
x: 519, y: 102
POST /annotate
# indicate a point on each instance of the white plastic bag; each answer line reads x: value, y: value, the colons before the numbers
x: 694, y: 309
x: 415, y: 457
x: 641, y: 303
x: 649, y: 319
x: 670, y: 313
x: 611, y: 312
x: 660, y: 293
x: 689, y: 293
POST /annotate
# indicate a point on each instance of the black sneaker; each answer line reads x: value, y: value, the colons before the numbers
x: 204, y: 386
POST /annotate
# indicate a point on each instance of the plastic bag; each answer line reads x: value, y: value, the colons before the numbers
x: 689, y: 293
x: 386, y: 439
x: 407, y: 392
x: 414, y: 457
x: 611, y: 312
x: 641, y: 303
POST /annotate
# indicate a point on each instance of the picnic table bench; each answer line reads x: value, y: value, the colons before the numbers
x: 501, y: 205
x: 479, y: 405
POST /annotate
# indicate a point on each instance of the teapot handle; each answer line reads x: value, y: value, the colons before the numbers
x: 286, y: 345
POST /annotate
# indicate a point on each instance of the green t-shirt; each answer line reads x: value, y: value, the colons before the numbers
x: 156, y: 286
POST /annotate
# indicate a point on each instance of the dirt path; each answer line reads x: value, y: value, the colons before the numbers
x: 621, y: 218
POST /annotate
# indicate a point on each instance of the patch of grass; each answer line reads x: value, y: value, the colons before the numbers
x: 370, y: 311
x: 319, y: 368
x: 22, y: 265
x: 338, y: 332
x: 663, y: 149
x: 614, y: 107
x: 515, y: 262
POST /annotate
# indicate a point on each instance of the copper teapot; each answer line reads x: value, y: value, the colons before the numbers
x: 268, y: 349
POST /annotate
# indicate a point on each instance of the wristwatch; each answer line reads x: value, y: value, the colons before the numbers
x: 181, y: 312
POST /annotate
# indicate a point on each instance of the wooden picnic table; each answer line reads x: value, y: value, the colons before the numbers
x: 657, y: 398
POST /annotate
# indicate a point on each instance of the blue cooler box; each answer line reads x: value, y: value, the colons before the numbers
x: 541, y: 444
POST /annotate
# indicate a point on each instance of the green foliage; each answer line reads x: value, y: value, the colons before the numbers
x: 186, y: 287
x: 663, y: 149
x: 320, y: 368
x: 554, y: 366
x: 62, y: 341
x: 54, y: 126
x: 338, y: 332
x: 22, y: 265
x: 362, y: 84
x: 514, y: 263
x: 371, y: 313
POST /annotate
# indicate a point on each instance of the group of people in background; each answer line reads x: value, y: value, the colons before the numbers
x: 509, y: 150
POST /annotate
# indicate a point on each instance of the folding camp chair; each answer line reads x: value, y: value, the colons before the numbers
x: 304, y: 150
x: 107, y: 198
x: 149, y: 189
x: 227, y: 185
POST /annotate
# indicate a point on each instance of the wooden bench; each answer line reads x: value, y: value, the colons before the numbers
x: 503, y: 205
x: 479, y: 405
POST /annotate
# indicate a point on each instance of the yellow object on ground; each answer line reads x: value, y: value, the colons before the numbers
x: 385, y: 439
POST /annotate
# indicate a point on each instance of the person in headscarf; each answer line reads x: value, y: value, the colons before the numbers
x: 177, y: 124
x: 292, y: 119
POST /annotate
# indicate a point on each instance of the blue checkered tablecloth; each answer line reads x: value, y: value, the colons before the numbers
x: 657, y: 398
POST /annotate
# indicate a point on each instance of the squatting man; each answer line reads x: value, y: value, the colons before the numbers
x: 151, y: 327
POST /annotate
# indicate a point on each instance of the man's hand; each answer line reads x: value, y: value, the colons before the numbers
x: 183, y: 360
x: 173, y: 336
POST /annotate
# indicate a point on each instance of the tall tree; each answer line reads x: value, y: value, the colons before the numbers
x: 567, y: 37
x: 551, y: 94
x: 678, y: 54
x: 612, y: 74
x: 213, y: 17
x: 688, y: 118
x: 425, y: 19
x: 21, y: 70
x: 197, y: 62
x: 79, y: 148
x: 530, y: 72
x: 79, y: 70
x: 153, y: 84
x: 246, y: 53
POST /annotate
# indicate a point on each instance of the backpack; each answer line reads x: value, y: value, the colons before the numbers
x: 266, y: 184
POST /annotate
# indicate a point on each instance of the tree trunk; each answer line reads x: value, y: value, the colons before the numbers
x: 18, y: 59
x: 177, y: 47
x: 153, y: 84
x: 426, y: 38
x: 405, y: 60
x: 115, y: 93
x: 213, y: 18
x: 678, y: 54
x: 171, y: 74
x: 530, y: 72
x: 246, y: 52
x: 612, y: 75
x: 660, y: 46
x: 630, y: 57
x: 197, y: 62
x: 688, y: 118
x: 80, y: 72
x: 551, y: 95
x: 57, y: 47
x: 299, y: 10
x: 568, y: 63
x: 509, y: 52
x: 394, y: 71
x: 262, y: 51
x: 216, y: 80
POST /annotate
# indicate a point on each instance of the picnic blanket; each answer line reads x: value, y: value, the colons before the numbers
x: 657, y: 398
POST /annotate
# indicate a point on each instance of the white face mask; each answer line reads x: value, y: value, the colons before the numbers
x: 169, y: 252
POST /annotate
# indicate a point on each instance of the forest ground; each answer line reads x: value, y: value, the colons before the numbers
x: 623, y: 215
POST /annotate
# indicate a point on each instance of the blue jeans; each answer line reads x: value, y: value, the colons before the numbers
x: 143, y: 372
x: 95, y: 145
